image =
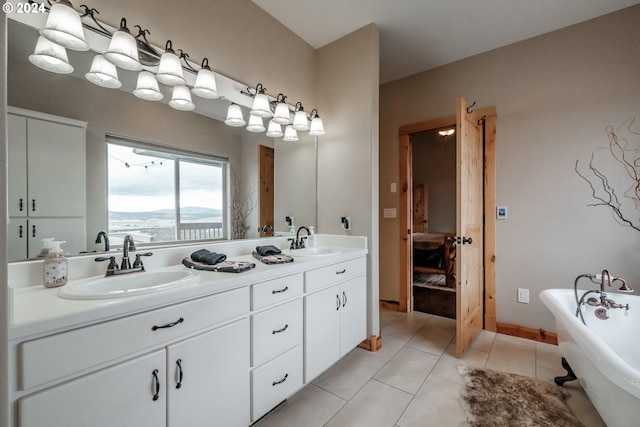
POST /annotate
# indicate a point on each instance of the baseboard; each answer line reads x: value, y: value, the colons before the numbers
x: 373, y: 344
x: 527, y: 333
x: 390, y: 305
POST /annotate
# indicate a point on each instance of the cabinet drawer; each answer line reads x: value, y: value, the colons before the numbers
x: 49, y: 358
x: 334, y: 273
x: 274, y: 291
x: 275, y: 381
x: 275, y: 330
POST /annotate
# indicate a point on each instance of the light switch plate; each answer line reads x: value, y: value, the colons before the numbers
x: 523, y: 295
x: 389, y: 213
x: 393, y: 187
x: 501, y: 212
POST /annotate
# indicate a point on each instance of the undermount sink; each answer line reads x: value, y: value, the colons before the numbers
x: 126, y: 285
x: 315, y: 251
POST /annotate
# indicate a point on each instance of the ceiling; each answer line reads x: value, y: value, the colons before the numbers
x: 419, y: 35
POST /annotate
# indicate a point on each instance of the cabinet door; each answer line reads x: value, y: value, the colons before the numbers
x: 353, y: 314
x: 56, y: 172
x: 17, y: 165
x: 321, y: 331
x: 122, y: 395
x: 209, y: 378
x: 17, y: 238
x: 70, y: 230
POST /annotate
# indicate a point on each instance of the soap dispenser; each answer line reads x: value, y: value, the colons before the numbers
x: 46, y: 247
x: 312, y: 237
x: 55, y: 267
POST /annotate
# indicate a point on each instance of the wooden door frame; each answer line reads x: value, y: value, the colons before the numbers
x: 406, y: 187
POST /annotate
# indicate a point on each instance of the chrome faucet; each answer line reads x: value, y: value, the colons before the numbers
x: 298, y: 243
x: 127, y: 245
x: 106, y: 240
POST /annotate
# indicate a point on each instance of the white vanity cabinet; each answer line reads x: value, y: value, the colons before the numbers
x: 335, y: 315
x: 47, y: 175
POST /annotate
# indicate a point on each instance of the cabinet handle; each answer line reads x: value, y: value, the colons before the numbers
x: 344, y: 301
x: 156, y: 385
x: 277, y: 331
x: 279, y: 291
x: 341, y: 272
x: 275, y: 383
x: 337, y: 302
x: 168, y: 325
x: 20, y: 232
x: 20, y: 205
x: 179, y: 363
x: 33, y: 205
x: 33, y: 231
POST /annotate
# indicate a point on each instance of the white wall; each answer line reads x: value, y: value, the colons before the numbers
x: 555, y: 95
x: 4, y: 304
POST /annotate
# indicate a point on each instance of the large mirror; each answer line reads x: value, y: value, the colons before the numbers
x: 119, y: 112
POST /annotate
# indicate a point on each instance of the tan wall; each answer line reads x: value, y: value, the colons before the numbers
x: 555, y: 95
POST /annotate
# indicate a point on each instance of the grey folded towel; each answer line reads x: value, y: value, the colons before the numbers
x: 208, y: 257
x: 267, y: 250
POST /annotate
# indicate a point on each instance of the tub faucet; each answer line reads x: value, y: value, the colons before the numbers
x: 99, y: 237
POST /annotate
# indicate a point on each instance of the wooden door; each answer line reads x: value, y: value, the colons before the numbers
x: 420, y: 208
x: 266, y: 197
x: 469, y: 226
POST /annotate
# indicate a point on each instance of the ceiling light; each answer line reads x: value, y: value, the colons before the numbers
x: 317, y: 128
x: 300, y: 121
x: 255, y: 124
x: 446, y: 132
x: 147, y: 87
x: 261, y: 107
x: 64, y: 26
x: 274, y: 130
x: 170, y: 69
x: 290, y: 134
x: 103, y: 73
x: 282, y: 114
x: 51, y: 57
x: 123, y: 49
x: 181, y: 99
x: 205, y: 86
x: 234, y: 116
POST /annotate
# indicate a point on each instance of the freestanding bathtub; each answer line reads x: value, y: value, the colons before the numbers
x: 604, y: 354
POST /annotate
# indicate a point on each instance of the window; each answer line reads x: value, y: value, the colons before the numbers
x: 159, y: 194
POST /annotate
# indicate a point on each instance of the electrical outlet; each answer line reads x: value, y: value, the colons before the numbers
x: 523, y: 295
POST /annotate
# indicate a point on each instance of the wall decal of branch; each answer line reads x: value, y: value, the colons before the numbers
x: 614, y: 191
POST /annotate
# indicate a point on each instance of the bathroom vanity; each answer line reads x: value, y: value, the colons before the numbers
x: 222, y: 349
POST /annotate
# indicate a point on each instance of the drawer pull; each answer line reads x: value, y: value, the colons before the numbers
x: 277, y: 331
x: 168, y: 325
x: 344, y: 301
x: 275, y: 383
x: 179, y: 364
x: 344, y: 270
x: 156, y: 385
x: 279, y: 291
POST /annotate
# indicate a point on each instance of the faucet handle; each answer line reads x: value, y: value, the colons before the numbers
x: 138, y: 262
x: 113, y: 265
x: 293, y: 244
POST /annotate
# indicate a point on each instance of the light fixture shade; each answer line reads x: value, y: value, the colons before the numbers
x: 147, y: 87
x: 300, y: 121
x: 255, y: 124
x: 50, y: 57
x: 64, y: 27
x: 290, y: 134
x: 274, y: 130
x: 123, y: 49
x: 317, y: 128
x: 234, y: 116
x: 103, y: 73
x: 181, y: 99
x: 205, y: 86
x: 282, y: 114
x: 170, y: 69
x: 261, y: 106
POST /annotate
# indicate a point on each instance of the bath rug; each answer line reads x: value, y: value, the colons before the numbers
x: 498, y: 399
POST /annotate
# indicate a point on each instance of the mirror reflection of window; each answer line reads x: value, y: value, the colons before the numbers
x: 159, y: 196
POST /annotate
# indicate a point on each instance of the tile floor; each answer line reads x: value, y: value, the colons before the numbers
x: 412, y: 380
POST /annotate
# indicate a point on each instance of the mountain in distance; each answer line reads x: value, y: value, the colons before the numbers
x: 191, y: 213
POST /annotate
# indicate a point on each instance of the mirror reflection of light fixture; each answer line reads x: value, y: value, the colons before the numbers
x: 261, y: 106
x: 181, y: 99
x: 300, y: 121
x: 205, y: 86
x: 290, y: 134
x: 282, y: 115
x: 274, y: 130
x: 255, y: 124
x: 147, y: 87
x: 317, y: 128
x: 103, y: 73
x: 50, y: 57
x: 123, y: 49
x: 64, y: 26
x: 234, y: 116
x: 446, y: 132
x: 170, y: 69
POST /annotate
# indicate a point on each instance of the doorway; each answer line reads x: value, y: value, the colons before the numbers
x: 488, y: 118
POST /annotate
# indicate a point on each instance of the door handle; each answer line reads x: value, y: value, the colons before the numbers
x: 463, y: 240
